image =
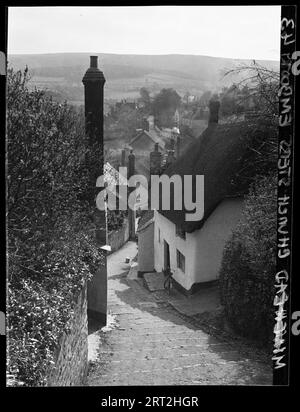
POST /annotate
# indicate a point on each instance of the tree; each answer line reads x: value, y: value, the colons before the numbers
x: 122, y: 123
x: 232, y: 101
x: 205, y: 98
x: 164, y: 106
x: 249, y: 258
x: 257, y: 96
x: 258, y: 91
x: 145, y: 98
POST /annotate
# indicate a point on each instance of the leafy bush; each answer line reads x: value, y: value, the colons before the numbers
x: 164, y: 106
x: 249, y: 264
x: 51, y: 248
x: 115, y: 219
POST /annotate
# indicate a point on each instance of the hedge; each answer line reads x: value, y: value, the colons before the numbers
x: 249, y: 264
x: 51, y: 247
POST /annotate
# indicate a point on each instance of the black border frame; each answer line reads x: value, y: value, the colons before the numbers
x: 91, y: 396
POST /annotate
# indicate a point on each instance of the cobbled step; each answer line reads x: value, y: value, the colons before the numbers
x: 152, y: 344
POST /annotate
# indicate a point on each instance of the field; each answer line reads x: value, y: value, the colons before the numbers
x: 126, y: 74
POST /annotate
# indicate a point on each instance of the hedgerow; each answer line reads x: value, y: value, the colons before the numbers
x: 249, y: 264
x: 51, y: 247
x: 115, y: 219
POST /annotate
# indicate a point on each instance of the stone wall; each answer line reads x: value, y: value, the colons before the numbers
x: 71, y: 358
x: 117, y: 238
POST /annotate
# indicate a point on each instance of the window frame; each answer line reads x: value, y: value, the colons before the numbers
x: 180, y: 260
x: 180, y: 232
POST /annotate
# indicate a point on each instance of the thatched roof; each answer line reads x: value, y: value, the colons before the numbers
x: 222, y: 154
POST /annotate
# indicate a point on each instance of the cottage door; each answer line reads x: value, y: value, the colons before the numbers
x: 166, y: 255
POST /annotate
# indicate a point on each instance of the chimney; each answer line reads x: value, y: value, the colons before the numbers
x: 151, y: 122
x: 155, y: 161
x: 177, y: 147
x: 214, y: 106
x: 131, y: 164
x: 145, y: 124
x: 131, y: 213
x: 93, y: 82
x: 123, y: 155
x: 170, y: 157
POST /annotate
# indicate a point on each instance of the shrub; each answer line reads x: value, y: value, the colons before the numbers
x: 115, y: 219
x: 51, y: 248
x: 249, y: 264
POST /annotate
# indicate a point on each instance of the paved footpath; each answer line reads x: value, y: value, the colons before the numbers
x: 148, y: 343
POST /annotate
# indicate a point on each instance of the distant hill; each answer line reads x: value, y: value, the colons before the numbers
x: 125, y: 74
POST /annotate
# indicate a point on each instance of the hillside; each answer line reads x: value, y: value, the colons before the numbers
x: 126, y: 74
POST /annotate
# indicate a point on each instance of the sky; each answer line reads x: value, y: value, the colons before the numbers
x: 244, y: 32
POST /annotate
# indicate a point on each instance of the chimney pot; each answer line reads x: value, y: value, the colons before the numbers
x: 94, y: 62
x: 123, y: 157
x: 93, y: 74
x: 155, y: 161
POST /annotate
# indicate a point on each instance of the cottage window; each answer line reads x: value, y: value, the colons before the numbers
x: 158, y: 235
x: 180, y: 261
x: 180, y: 232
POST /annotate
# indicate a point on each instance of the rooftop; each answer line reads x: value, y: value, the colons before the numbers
x: 222, y: 154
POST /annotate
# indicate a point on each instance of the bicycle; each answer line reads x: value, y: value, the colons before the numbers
x: 168, y: 280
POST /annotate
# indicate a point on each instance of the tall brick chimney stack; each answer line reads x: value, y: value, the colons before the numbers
x: 131, y: 164
x: 93, y: 82
x: 131, y: 213
x: 155, y: 161
x: 123, y: 157
x: 214, y: 106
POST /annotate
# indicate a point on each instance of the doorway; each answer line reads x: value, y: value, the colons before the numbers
x: 166, y: 255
